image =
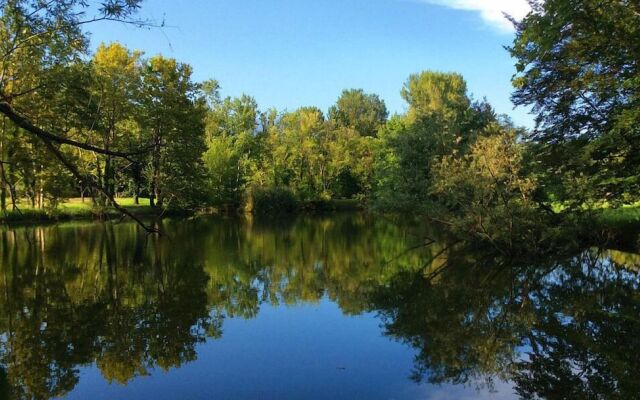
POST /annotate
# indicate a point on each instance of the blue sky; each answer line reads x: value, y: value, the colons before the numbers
x: 292, y: 53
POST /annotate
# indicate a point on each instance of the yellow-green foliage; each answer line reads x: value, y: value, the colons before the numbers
x: 485, y: 191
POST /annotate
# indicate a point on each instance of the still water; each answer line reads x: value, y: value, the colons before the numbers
x: 347, y: 306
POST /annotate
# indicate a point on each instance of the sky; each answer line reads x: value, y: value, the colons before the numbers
x: 293, y: 53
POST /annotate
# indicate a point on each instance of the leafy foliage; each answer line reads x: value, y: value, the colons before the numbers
x: 577, y: 66
x: 355, y: 109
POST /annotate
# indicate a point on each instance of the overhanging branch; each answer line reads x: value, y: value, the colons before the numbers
x: 74, y: 171
x: 22, y: 122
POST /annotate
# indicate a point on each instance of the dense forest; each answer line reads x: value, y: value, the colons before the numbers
x: 116, y: 123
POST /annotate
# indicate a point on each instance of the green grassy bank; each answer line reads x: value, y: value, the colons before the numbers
x: 75, y: 208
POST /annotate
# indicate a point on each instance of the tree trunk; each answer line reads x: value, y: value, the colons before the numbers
x: 3, y: 197
x: 156, y: 192
x: 152, y: 199
x: 137, y: 182
x: 3, y: 188
x: 10, y: 179
x: 41, y: 197
x: 109, y: 176
x: 100, y: 181
x: 32, y: 193
x: 14, y: 199
x: 3, y: 184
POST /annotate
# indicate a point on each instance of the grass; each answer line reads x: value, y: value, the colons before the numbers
x: 608, y: 216
x: 73, y: 208
x: 626, y: 216
x: 78, y: 204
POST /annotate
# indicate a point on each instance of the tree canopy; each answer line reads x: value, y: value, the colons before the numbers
x: 576, y: 65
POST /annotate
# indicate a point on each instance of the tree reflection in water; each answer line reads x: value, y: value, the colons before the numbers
x: 565, y: 328
x: 77, y: 294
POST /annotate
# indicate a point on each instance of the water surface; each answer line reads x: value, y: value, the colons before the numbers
x: 347, y: 306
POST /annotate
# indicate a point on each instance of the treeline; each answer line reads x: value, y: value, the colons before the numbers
x: 188, y: 147
x: 120, y: 124
x: 256, y: 157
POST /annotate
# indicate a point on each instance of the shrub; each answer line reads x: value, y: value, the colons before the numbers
x: 270, y: 200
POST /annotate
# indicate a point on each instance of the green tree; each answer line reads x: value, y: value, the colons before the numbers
x: 486, y: 192
x: 351, y: 159
x: 116, y: 78
x: 438, y: 95
x: 577, y: 67
x: 442, y: 121
x: 232, y: 146
x: 355, y: 109
x: 39, y: 42
x: 298, y: 154
x: 172, y: 118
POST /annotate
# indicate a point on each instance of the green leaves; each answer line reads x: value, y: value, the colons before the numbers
x: 365, y: 113
x: 576, y: 64
x: 119, y: 8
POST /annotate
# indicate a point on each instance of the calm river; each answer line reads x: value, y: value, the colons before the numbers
x: 346, y: 306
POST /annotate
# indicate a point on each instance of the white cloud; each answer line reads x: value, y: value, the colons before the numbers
x: 490, y: 10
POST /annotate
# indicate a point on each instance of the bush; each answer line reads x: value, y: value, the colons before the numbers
x: 260, y: 200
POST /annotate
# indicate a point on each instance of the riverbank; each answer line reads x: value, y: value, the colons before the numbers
x: 623, y: 223
x: 76, y: 209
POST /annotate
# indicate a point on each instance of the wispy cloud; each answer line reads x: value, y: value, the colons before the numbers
x: 492, y: 11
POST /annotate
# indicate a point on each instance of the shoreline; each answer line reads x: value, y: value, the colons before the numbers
x: 620, y: 225
x: 31, y: 216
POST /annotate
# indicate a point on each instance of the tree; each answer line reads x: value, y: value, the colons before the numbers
x: 436, y: 95
x: 45, y: 37
x: 116, y: 78
x: 232, y: 153
x: 577, y: 67
x: 172, y: 118
x: 355, y: 109
x: 442, y: 121
x: 298, y: 154
x: 486, y: 192
x: 350, y: 162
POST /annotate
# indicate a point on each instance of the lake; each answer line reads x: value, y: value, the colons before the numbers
x: 342, y: 306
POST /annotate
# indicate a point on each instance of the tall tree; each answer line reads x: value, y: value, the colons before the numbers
x: 172, y: 117
x: 232, y: 147
x: 577, y: 66
x: 298, y: 153
x: 116, y: 82
x: 442, y: 120
x: 436, y: 95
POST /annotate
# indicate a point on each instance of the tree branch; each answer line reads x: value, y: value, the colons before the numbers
x: 74, y: 171
x: 22, y: 122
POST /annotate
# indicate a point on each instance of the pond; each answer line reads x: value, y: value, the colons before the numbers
x: 345, y: 306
